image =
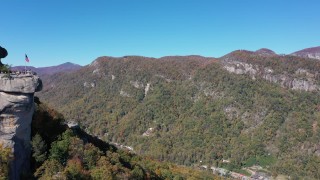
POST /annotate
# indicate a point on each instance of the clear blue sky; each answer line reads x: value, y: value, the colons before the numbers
x: 52, y: 32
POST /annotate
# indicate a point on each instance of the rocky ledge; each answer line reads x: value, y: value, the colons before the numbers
x: 302, y: 79
x: 16, y: 110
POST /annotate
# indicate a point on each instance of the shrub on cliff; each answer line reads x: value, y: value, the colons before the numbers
x: 5, y: 156
x: 4, y: 68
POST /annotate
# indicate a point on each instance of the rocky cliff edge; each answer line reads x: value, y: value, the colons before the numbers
x: 16, y: 110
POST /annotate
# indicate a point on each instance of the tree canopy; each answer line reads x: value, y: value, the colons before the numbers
x: 3, y: 52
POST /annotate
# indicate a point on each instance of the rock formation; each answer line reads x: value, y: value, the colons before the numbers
x: 303, y: 81
x: 16, y: 110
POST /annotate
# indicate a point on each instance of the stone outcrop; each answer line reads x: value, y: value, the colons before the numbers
x: 20, y: 84
x: 308, y: 55
x: 301, y: 80
x: 16, y: 110
x: 137, y: 84
x: 89, y: 84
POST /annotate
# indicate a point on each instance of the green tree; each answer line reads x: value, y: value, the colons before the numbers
x: 59, y: 149
x: 103, y: 170
x: 48, y: 169
x: 137, y: 173
x: 5, y: 68
x: 91, y: 155
x: 74, y: 170
x: 39, y: 148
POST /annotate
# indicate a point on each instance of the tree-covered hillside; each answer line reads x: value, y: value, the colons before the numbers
x: 191, y: 109
x: 62, y: 153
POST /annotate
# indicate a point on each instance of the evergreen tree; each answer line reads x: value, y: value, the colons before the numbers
x: 39, y: 148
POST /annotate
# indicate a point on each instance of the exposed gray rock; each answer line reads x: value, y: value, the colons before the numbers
x: 301, y: 84
x: 305, y: 73
x: 314, y: 56
x: 149, y: 132
x: 96, y: 71
x: 20, y: 84
x: 137, y: 84
x: 241, y: 68
x: 16, y: 110
x: 301, y: 80
x: 89, y: 84
x: 124, y: 94
x: 146, y: 89
x: 72, y: 124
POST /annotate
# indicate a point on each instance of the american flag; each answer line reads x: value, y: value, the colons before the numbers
x: 27, y: 59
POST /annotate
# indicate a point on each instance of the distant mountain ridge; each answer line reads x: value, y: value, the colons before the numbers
x: 313, y: 52
x: 65, y: 67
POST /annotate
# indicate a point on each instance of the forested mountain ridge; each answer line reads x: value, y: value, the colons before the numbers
x: 59, y: 152
x: 247, y: 107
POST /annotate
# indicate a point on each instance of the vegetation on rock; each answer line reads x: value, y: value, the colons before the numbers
x: 5, y: 158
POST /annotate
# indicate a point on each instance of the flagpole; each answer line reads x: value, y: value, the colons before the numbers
x: 25, y: 66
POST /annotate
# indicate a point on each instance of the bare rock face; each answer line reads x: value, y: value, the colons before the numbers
x: 20, y: 84
x: 305, y: 83
x: 16, y: 110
